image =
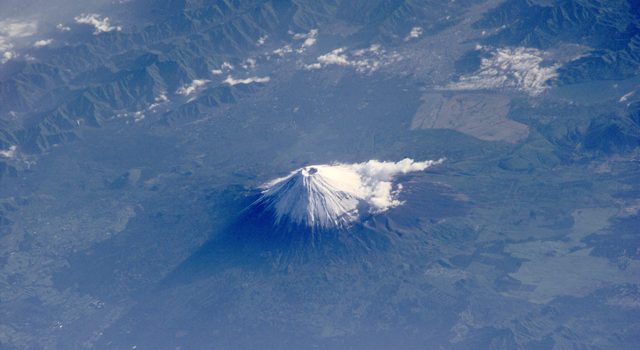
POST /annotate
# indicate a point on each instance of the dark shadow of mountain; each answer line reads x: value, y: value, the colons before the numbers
x: 254, y: 242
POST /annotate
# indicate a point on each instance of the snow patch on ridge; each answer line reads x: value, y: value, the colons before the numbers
x: 515, y: 68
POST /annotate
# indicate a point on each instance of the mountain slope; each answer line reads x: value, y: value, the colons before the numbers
x: 329, y: 196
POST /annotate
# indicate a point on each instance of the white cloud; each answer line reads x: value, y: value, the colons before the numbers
x: 100, y: 24
x: 10, y: 31
x: 415, y: 32
x: 138, y: 116
x: 249, y: 63
x: 158, y: 101
x: 331, y: 195
x: 515, y: 68
x: 224, y: 67
x: 336, y: 56
x: 262, y: 40
x: 312, y: 34
x: 375, y: 48
x: 231, y: 81
x: 376, y: 187
x: 312, y: 66
x: 298, y: 36
x: 61, y: 27
x: 363, y: 60
x: 43, y: 42
x: 6, y: 56
x: 626, y: 96
x: 309, y: 39
x: 283, y: 50
x: 308, y: 42
x: 192, y: 87
x: 17, y: 29
x: 9, y: 153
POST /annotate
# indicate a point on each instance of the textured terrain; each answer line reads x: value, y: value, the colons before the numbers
x: 135, y: 134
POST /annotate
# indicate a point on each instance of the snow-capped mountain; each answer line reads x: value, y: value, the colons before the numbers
x: 333, y: 195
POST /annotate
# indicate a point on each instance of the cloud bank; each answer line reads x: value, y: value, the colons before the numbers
x: 376, y: 177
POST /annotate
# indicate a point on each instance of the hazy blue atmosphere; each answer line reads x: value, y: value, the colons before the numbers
x: 326, y: 174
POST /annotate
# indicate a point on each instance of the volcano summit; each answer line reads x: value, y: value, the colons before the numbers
x: 334, y: 195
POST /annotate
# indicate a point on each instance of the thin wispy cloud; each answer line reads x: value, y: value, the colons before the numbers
x: 63, y: 28
x: 12, y: 31
x: 309, y: 39
x: 262, y: 40
x: 18, y: 29
x: 140, y: 115
x: 192, y: 87
x: 283, y: 51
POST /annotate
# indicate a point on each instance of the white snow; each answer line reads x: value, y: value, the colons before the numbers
x: 516, y: 68
x: 331, y: 195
